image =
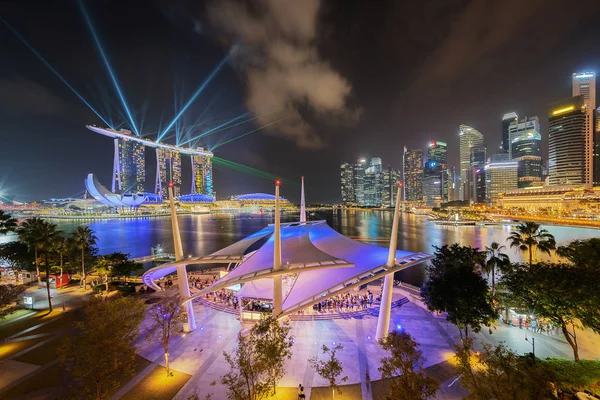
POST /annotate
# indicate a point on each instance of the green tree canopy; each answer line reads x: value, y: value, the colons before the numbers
x: 404, y: 368
x: 7, y: 223
x: 16, y: 255
x: 103, y: 350
x: 456, y: 287
x: 9, y: 295
x: 330, y: 368
x: 566, y: 295
x: 529, y: 237
x: 166, y: 321
x: 582, y: 253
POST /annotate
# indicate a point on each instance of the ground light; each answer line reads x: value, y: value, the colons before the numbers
x: 55, y: 72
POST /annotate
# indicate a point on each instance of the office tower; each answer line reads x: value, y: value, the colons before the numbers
x: 584, y: 84
x: 468, y: 137
x: 569, y: 162
x: 202, y: 175
x: 501, y: 176
x: 525, y: 148
x: 347, y: 184
x: 373, y: 184
x: 507, y: 119
x: 596, y: 155
x: 435, y: 185
x: 412, y: 172
x: 476, y: 175
x: 391, y: 177
x: 129, y: 168
x: 168, y: 169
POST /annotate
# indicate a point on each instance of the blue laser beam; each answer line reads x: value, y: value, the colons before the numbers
x: 108, y: 67
x: 58, y: 75
x: 195, y: 95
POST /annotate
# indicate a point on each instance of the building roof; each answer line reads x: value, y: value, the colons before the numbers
x: 106, y: 197
x: 316, y: 260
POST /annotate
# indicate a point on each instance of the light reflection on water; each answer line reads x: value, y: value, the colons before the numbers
x: 203, y: 234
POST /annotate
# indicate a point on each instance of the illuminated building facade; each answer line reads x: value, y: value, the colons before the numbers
x: 202, y: 175
x: 596, y: 155
x: 476, y: 175
x: 391, y: 177
x: 525, y: 148
x: 435, y: 182
x: 468, y: 137
x: 507, y: 120
x: 168, y: 169
x: 569, y: 162
x: 368, y: 184
x: 129, y: 167
x: 500, y: 177
x: 347, y: 184
x: 412, y: 172
x: 373, y: 184
x: 584, y: 84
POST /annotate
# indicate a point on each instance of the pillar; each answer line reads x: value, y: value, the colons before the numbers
x: 182, y: 279
x: 277, y: 289
x: 302, y: 204
x: 385, y: 309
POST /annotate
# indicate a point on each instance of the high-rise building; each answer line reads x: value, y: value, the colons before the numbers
x: 391, y: 177
x: 347, y: 184
x: 500, y: 176
x: 569, y: 162
x: 507, y: 119
x: 468, y: 137
x: 584, y: 84
x: 202, y: 175
x: 596, y: 155
x: 435, y: 183
x: 373, y: 184
x: 412, y: 172
x: 129, y: 169
x: 168, y: 169
x: 525, y: 148
x: 476, y: 175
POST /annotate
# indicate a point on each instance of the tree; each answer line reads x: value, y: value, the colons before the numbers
x: 103, y: 350
x: 15, y: 254
x: 166, y: 319
x: 495, y: 259
x: 84, y: 238
x: 120, y: 264
x: 61, y: 247
x: 500, y: 374
x: 9, y: 295
x: 7, y: 223
x: 582, y: 253
x: 331, y: 368
x: 530, y: 237
x: 566, y: 296
x: 258, y: 361
x: 456, y: 287
x: 404, y: 369
x: 46, y: 234
x: 28, y: 234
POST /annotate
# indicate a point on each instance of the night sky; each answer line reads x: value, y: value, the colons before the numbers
x: 344, y: 79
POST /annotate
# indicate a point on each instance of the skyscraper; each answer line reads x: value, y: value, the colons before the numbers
x: 501, y: 176
x: 435, y: 182
x: 507, y: 119
x: 525, y: 148
x: 202, y: 175
x: 347, y: 184
x: 584, y: 84
x: 569, y: 162
x: 368, y: 184
x: 373, y: 183
x: 468, y: 137
x: 168, y: 169
x: 391, y: 177
x: 596, y: 155
x: 476, y: 175
x: 412, y: 173
x: 129, y: 169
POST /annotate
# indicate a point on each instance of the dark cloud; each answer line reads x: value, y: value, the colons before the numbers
x: 275, y: 40
x: 20, y: 96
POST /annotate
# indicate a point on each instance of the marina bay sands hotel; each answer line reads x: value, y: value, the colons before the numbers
x: 129, y: 165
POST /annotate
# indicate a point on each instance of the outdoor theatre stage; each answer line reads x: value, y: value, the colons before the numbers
x: 318, y: 262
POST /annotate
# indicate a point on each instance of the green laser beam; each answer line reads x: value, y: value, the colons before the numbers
x: 245, y: 134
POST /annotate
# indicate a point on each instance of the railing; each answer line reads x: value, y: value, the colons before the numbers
x: 153, y: 257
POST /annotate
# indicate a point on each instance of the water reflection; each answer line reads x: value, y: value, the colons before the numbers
x: 203, y: 234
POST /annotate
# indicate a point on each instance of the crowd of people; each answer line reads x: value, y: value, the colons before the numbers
x: 346, y: 302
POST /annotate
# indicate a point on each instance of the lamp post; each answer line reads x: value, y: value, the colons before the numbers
x: 277, y: 289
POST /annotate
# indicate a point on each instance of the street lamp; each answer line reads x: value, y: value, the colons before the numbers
x: 532, y: 341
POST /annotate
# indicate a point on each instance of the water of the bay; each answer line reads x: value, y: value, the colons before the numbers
x: 204, y: 234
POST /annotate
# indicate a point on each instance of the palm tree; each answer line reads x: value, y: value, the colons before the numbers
x: 46, y: 238
x: 61, y: 246
x: 83, y: 237
x: 530, y: 237
x: 28, y: 234
x: 7, y: 223
x: 494, y: 259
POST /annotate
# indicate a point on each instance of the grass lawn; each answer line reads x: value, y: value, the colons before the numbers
x: 157, y: 386
x: 16, y: 314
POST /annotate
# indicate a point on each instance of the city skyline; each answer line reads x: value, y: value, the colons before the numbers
x: 38, y: 107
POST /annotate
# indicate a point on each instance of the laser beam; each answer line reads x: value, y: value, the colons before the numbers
x: 244, y: 134
x: 108, y: 67
x: 244, y: 168
x: 195, y: 95
x: 58, y: 75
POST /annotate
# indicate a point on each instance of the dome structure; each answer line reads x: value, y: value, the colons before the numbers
x: 256, y: 197
x: 195, y: 198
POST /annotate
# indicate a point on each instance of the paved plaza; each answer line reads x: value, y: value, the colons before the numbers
x: 200, y: 353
